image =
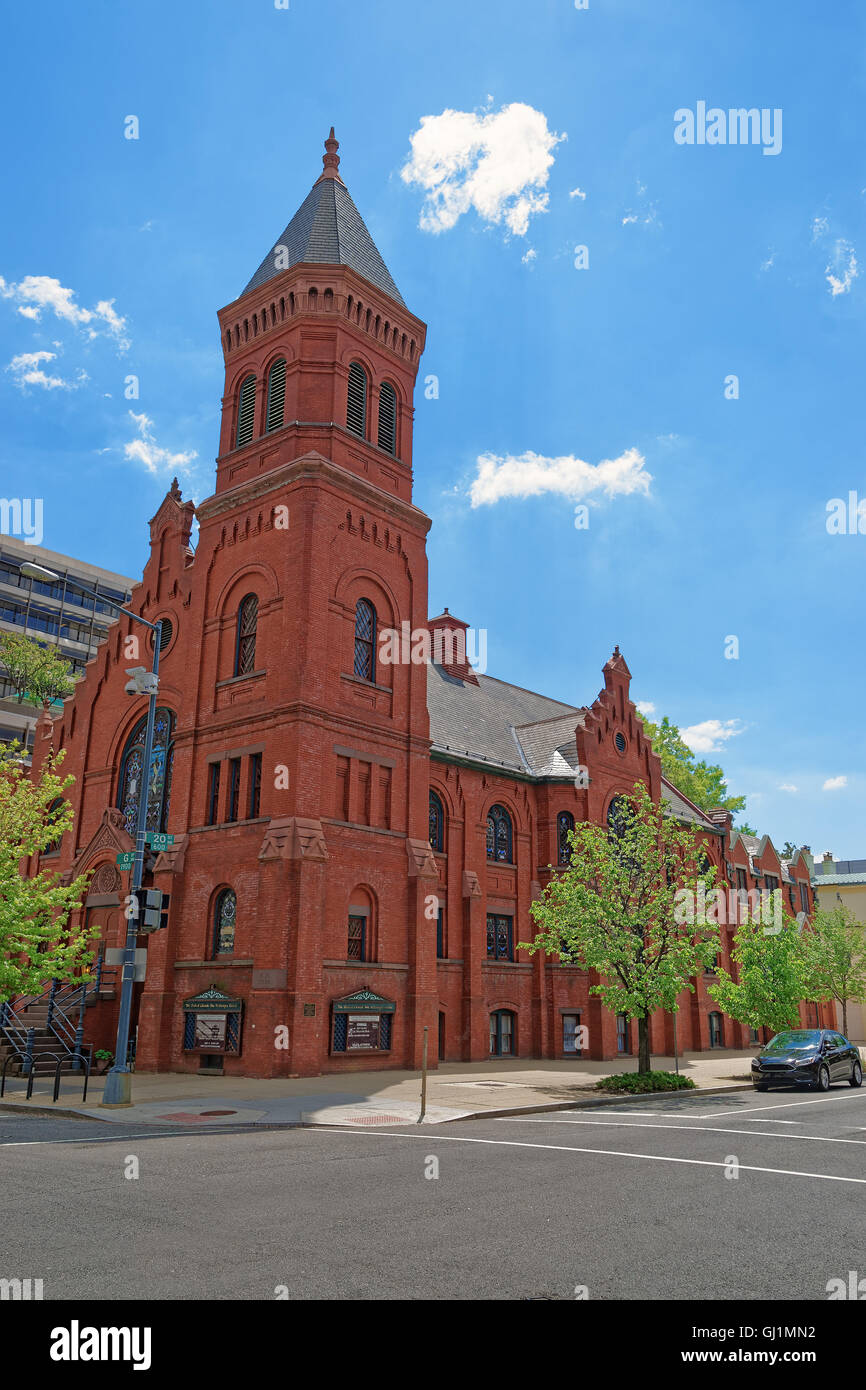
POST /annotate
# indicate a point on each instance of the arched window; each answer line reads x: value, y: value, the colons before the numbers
x: 619, y: 816
x: 54, y: 845
x: 276, y: 395
x: 564, y: 826
x: 365, y: 640
x: 224, y: 918
x: 356, y: 405
x: 437, y: 823
x: 246, y: 411
x: 388, y: 418
x: 499, y: 841
x: 245, y: 641
x: 159, y: 781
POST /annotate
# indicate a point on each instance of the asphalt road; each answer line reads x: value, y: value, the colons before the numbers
x: 639, y: 1202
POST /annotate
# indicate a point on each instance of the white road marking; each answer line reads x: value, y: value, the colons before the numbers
x: 573, y: 1148
x: 753, y: 1109
x: 686, y: 1129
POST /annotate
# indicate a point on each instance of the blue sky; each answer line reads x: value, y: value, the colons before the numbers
x: 704, y: 261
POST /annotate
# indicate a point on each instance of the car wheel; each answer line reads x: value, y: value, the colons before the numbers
x: 761, y: 1086
x: 823, y: 1082
x: 856, y: 1075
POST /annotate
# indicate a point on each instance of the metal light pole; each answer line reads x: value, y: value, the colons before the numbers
x: 420, y: 1119
x: 118, y: 1082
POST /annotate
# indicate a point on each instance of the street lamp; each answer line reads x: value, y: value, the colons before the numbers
x: 118, y: 1082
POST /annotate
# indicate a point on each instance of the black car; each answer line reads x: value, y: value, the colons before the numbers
x: 807, y: 1057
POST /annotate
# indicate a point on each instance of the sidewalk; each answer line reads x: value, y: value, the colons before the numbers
x: 456, y: 1090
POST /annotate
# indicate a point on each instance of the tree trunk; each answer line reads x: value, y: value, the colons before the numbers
x: 643, y: 1045
x: 845, y: 1017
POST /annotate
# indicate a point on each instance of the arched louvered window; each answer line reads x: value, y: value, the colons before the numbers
x: 246, y: 411
x: 437, y: 823
x: 245, y: 643
x: 365, y: 640
x: 276, y: 395
x: 564, y: 826
x: 388, y: 418
x: 620, y: 815
x: 356, y: 406
x: 158, y: 783
x: 499, y: 838
x: 224, y: 921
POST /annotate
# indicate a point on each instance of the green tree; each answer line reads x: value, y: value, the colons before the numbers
x: 614, y: 910
x: 36, y: 943
x: 37, y: 673
x: 703, y: 783
x: 771, y: 976
x: 835, y: 951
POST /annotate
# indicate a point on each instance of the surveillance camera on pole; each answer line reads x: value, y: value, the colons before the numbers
x: 143, y: 682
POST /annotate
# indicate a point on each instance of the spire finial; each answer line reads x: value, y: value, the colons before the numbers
x: 331, y: 160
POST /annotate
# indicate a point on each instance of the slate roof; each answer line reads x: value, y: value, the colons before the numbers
x: 517, y: 730
x: 499, y: 723
x: 327, y: 229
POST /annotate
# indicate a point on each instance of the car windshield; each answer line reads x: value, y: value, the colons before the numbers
x: 805, y: 1040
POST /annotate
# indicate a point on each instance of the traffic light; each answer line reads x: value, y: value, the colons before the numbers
x: 152, y: 906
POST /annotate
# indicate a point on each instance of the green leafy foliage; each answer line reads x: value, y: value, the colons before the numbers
x: 38, y: 674
x: 771, y: 973
x: 614, y: 910
x: 36, y: 943
x: 703, y: 783
x: 835, y: 958
x: 638, y: 1083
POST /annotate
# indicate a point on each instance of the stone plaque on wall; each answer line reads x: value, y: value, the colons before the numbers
x: 269, y: 979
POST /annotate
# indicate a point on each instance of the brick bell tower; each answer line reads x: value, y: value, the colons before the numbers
x: 312, y: 512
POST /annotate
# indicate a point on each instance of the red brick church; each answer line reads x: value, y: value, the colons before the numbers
x: 356, y: 843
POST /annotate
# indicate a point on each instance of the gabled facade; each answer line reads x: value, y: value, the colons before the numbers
x: 356, y: 841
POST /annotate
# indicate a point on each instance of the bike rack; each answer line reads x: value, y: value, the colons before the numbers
x: 58, y: 1059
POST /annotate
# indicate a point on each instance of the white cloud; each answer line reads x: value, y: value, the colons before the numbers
x: 842, y: 270
x: 37, y: 293
x: 145, y: 450
x: 711, y: 734
x: 646, y: 213
x: 629, y: 217
x: 646, y: 707
x: 496, y: 162
x: 27, y: 371
x: 820, y: 228
x: 769, y: 262
x: 788, y: 787
x: 530, y: 256
x: 531, y: 475
x: 834, y: 784
x: 578, y: 193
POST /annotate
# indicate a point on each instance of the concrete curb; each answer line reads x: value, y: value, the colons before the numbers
x: 595, y: 1101
x: 598, y: 1102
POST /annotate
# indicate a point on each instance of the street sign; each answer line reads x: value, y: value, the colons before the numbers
x: 114, y: 956
x: 125, y: 861
x: 157, y: 841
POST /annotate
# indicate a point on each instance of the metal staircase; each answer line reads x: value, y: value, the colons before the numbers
x: 50, y: 1025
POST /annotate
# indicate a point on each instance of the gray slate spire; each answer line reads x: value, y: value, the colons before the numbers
x: 327, y: 229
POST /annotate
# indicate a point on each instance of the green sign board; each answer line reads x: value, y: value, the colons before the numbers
x: 157, y: 841
x: 125, y: 861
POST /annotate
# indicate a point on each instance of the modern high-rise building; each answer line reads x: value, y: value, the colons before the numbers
x: 61, y: 613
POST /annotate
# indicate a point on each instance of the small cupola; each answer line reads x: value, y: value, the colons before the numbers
x: 448, y: 646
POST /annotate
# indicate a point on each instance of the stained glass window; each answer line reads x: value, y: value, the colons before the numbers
x: 499, y: 834
x: 225, y: 915
x: 500, y: 939
x: 564, y: 826
x: 365, y: 639
x: 437, y: 823
x: 245, y: 648
x: 619, y: 816
x: 159, y: 781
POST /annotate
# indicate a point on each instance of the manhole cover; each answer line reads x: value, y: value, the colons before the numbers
x: 218, y: 1112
